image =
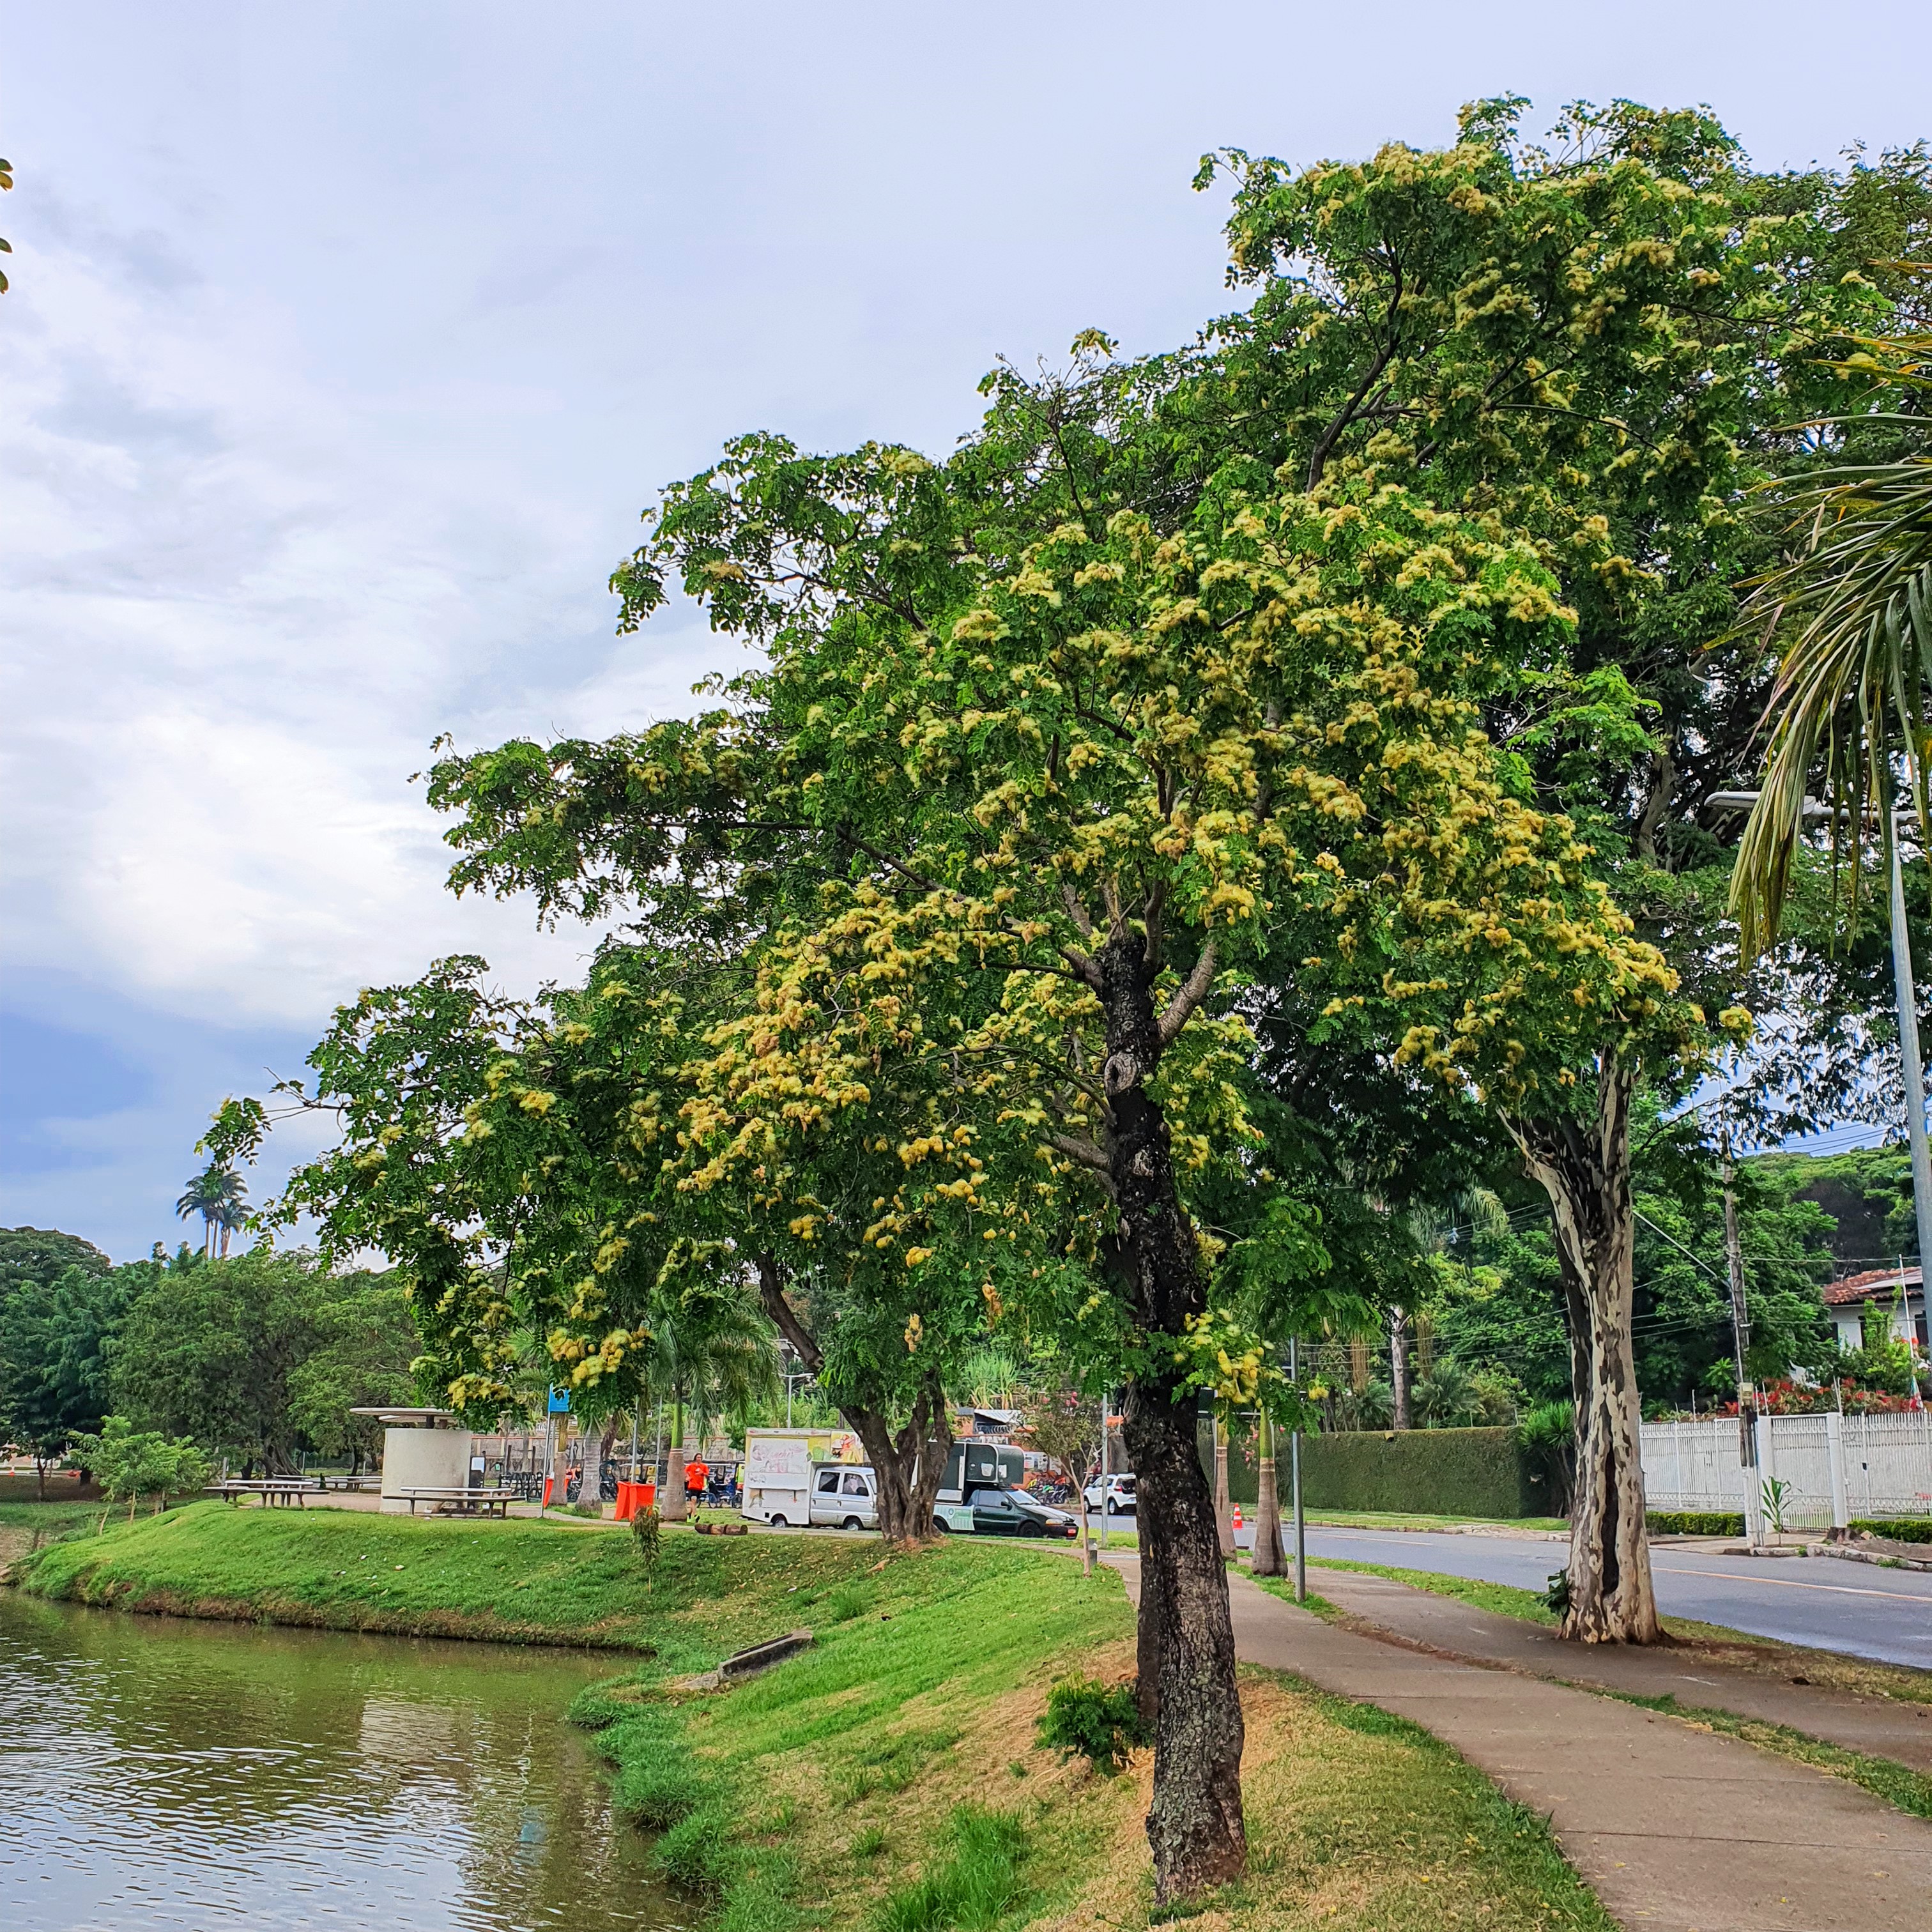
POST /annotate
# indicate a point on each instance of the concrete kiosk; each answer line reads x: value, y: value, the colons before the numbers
x: 422, y: 1449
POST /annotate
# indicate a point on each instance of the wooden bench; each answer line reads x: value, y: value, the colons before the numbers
x: 277, y: 1490
x: 494, y: 1501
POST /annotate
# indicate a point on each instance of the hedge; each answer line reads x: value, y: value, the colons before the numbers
x: 1477, y: 1472
x: 1693, y: 1523
x: 1899, y: 1529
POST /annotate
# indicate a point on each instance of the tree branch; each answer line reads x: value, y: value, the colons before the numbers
x: 784, y: 1317
x: 1192, y: 991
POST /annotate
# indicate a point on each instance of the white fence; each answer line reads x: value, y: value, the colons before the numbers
x: 1836, y: 1467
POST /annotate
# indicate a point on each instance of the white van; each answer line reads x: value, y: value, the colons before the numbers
x: 845, y: 1495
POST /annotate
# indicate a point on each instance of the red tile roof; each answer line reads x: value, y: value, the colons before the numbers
x: 1855, y: 1288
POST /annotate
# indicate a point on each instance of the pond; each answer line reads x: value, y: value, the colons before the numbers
x: 162, y: 1773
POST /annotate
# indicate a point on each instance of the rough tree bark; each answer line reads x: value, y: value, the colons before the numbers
x: 1186, y: 1646
x: 1584, y: 1167
x: 1266, y: 1557
x: 909, y: 1462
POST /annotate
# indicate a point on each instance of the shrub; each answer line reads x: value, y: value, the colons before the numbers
x: 1477, y: 1472
x: 644, y: 1528
x: 1899, y: 1529
x: 1694, y: 1522
x: 1101, y: 1722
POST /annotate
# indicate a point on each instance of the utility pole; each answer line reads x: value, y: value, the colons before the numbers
x: 1295, y: 1467
x: 1734, y: 1257
x: 1915, y: 1076
x: 1106, y: 1510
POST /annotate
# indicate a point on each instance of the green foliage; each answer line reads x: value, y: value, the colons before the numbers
x: 42, y: 1255
x: 1472, y: 1472
x: 1885, y: 1365
x: 976, y: 1887
x: 646, y: 1527
x: 1694, y: 1522
x: 1777, y: 1494
x: 1899, y: 1529
x: 129, y: 1464
x: 219, y: 1196
x: 59, y: 1318
x: 243, y: 1354
x: 1099, y: 1722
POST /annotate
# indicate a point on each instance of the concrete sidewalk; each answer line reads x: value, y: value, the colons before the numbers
x: 1672, y: 1828
x: 1883, y: 1729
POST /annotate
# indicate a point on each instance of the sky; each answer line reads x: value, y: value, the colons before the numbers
x: 346, y: 344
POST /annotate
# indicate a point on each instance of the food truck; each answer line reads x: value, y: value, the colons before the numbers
x: 778, y: 1463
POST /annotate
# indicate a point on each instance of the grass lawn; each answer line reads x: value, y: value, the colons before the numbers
x: 891, y: 1780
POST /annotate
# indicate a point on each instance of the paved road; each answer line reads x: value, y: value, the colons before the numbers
x: 1854, y: 1607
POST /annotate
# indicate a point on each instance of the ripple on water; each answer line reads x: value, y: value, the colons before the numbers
x: 162, y: 1774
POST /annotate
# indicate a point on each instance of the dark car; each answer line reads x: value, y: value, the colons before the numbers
x: 1012, y: 1513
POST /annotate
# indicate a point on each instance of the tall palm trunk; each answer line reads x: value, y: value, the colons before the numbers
x: 1224, y: 1507
x: 671, y: 1505
x: 1267, y: 1560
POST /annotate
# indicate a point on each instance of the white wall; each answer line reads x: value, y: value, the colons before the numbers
x: 422, y: 1459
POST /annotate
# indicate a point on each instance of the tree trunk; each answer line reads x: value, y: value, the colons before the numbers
x: 596, y: 1452
x: 670, y: 1502
x: 1186, y: 1645
x: 909, y: 1464
x: 1584, y: 1167
x: 1398, y: 1366
x: 1267, y: 1558
x: 1224, y: 1507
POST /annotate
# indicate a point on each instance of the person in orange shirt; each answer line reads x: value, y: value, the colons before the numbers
x: 696, y: 1473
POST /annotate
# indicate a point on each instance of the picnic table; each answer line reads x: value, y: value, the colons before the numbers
x: 494, y: 1501
x: 271, y: 1490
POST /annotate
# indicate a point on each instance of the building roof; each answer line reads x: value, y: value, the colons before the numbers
x: 1873, y: 1283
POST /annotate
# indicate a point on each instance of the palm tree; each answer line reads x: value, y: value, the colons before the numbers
x: 709, y: 1353
x: 1856, y: 603
x: 220, y: 1197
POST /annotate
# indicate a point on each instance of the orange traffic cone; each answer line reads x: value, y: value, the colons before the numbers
x: 1237, y: 1516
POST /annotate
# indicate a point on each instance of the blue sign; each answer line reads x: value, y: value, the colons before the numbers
x: 560, y: 1401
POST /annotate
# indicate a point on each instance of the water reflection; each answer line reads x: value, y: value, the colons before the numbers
x: 162, y: 1774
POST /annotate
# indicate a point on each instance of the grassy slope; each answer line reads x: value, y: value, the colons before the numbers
x: 829, y: 1793
x: 520, y: 1581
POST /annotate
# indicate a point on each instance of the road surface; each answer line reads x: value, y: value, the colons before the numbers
x: 1823, y: 1601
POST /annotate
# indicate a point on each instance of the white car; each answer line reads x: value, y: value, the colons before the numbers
x: 1120, y: 1496
x: 844, y: 1495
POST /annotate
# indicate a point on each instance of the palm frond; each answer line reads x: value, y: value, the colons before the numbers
x: 1850, y: 703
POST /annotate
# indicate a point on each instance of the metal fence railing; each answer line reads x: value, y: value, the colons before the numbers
x: 1834, y: 1467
